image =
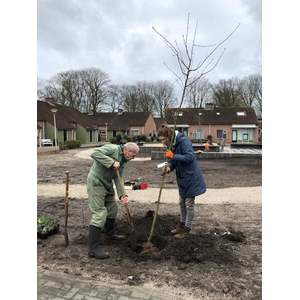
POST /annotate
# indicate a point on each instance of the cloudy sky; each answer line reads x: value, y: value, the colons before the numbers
x: 116, y: 36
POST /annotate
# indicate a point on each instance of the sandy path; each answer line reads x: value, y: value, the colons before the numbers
x: 170, y: 195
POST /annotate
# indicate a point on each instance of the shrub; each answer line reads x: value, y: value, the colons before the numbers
x: 46, y: 225
x: 113, y: 140
x: 71, y: 144
x: 126, y: 138
x: 139, y: 138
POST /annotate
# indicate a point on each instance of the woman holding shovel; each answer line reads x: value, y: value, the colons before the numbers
x: 189, y: 176
x: 107, y: 160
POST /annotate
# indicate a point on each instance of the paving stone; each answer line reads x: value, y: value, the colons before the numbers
x: 92, y: 298
x: 53, y: 284
x: 62, y: 287
x: 123, y: 292
x: 66, y: 287
x: 78, y: 297
x: 71, y: 293
x: 139, y: 294
x: 89, y: 292
x: 112, y: 297
x: 103, y: 291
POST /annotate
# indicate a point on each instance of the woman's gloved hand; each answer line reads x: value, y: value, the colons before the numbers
x: 169, y: 154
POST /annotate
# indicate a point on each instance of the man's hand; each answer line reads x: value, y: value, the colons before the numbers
x: 124, y: 200
x: 169, y: 154
x: 166, y: 170
x: 116, y: 165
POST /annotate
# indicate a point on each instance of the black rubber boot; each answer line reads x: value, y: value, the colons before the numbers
x: 95, y: 243
x: 110, y: 230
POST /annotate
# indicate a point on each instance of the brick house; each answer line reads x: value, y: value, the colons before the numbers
x: 234, y: 124
x: 71, y: 124
x: 129, y: 123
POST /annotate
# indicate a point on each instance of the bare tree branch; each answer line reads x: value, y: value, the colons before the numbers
x: 186, y: 63
x: 214, y: 50
x: 177, y: 76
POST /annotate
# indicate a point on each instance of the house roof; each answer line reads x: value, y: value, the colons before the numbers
x: 102, y: 118
x: 159, y: 122
x: 120, y: 121
x: 216, y: 116
x: 66, y: 117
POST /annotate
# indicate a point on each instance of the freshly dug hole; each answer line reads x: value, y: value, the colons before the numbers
x: 197, y: 247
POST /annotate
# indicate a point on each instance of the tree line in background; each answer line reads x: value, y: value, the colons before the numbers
x: 90, y: 91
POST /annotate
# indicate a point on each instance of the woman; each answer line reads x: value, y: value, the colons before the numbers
x: 189, y: 176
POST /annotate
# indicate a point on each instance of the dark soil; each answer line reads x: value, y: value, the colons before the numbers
x: 221, y: 257
x: 207, y: 260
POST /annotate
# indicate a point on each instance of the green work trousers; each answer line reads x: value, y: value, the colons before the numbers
x: 102, y: 204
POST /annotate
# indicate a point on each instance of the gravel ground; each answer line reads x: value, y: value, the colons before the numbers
x: 219, y: 173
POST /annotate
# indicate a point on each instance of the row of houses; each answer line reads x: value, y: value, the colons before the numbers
x: 89, y: 129
x: 229, y: 125
x: 226, y: 125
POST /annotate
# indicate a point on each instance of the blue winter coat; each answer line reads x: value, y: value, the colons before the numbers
x: 188, y: 174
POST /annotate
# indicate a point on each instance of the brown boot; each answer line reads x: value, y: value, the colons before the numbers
x: 178, y: 228
x: 183, y: 232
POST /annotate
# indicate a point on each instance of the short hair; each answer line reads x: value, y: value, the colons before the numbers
x: 165, y: 132
x: 132, y: 146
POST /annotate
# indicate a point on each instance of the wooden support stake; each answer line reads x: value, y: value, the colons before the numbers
x: 67, y: 208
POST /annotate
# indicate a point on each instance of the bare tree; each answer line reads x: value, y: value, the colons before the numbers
x: 247, y: 88
x: 163, y: 96
x: 145, y: 96
x: 191, y: 70
x: 95, y: 84
x: 115, y: 98
x: 85, y: 89
x: 199, y: 93
x: 258, y: 79
x: 131, y: 99
x: 226, y: 94
x: 68, y: 87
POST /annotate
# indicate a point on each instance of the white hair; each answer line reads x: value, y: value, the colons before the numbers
x: 132, y: 146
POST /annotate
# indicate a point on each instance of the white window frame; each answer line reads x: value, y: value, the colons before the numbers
x: 134, y: 131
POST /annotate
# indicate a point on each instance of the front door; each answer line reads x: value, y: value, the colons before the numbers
x: 234, y: 136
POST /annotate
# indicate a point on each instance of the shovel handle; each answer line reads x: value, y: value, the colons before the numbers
x: 128, y: 216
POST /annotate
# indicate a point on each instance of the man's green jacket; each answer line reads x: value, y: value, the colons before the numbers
x: 102, y: 173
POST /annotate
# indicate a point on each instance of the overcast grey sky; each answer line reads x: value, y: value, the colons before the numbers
x: 117, y: 37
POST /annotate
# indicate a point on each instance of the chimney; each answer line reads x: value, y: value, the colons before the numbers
x: 120, y: 111
x: 209, y: 106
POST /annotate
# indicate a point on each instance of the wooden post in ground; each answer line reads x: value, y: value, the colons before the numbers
x: 67, y: 208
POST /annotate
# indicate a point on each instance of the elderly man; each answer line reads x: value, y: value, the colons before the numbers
x: 107, y: 160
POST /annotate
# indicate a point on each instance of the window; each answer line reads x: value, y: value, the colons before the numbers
x: 241, y: 113
x: 135, y: 131
x: 197, y: 134
x: 245, y: 137
x: 65, y: 135
x: 220, y: 133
